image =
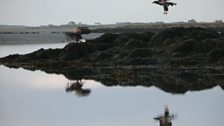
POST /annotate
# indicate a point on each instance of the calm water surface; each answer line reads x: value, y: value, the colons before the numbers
x: 35, y: 98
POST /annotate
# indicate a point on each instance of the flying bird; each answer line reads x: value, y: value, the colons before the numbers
x: 166, y: 119
x: 165, y: 4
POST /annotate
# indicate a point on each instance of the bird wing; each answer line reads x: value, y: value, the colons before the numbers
x: 171, y: 3
x: 165, y: 8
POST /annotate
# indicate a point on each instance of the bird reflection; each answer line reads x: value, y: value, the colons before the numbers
x: 77, y: 88
x: 166, y: 119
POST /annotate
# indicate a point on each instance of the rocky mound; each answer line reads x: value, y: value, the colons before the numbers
x: 179, y: 46
x: 180, y: 49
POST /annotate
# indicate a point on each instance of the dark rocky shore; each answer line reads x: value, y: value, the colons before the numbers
x: 176, y: 59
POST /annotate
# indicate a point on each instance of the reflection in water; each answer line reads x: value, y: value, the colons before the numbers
x: 77, y: 87
x: 129, y: 106
x: 165, y: 120
x: 175, y: 81
x: 170, y: 80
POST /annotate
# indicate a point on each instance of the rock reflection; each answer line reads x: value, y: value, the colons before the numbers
x: 169, y: 79
x: 77, y: 87
x: 175, y: 81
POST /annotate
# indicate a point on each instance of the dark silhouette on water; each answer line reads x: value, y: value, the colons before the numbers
x: 166, y: 119
x: 77, y: 87
x: 165, y: 4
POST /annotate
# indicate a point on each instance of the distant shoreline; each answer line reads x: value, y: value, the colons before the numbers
x: 55, y: 34
x: 54, y: 29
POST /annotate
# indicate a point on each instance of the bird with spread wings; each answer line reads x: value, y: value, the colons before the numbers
x: 165, y: 4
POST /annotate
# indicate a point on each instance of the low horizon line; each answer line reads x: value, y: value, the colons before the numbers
x: 115, y: 23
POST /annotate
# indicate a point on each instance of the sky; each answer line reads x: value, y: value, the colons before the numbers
x: 43, y: 12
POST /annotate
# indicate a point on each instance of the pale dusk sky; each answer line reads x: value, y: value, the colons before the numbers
x: 43, y: 12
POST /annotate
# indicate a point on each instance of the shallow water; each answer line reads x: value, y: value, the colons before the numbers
x: 40, y: 38
x: 35, y: 98
x: 31, y: 38
x: 6, y: 50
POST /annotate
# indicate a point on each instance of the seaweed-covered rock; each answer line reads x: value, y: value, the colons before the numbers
x: 106, y: 55
x: 146, y: 36
x: 186, y: 47
x: 74, y: 51
x: 158, y: 38
x: 9, y: 58
x: 107, y: 38
x: 170, y: 41
x: 124, y: 38
x: 173, y: 46
x: 201, y: 34
x: 181, y: 34
x: 140, y: 52
x: 121, y: 40
x: 44, y: 54
x: 134, y: 43
x: 215, y: 55
x: 121, y: 55
x: 206, y: 45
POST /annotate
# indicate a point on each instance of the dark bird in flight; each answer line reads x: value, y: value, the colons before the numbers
x: 166, y: 119
x: 165, y: 4
x: 77, y: 87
